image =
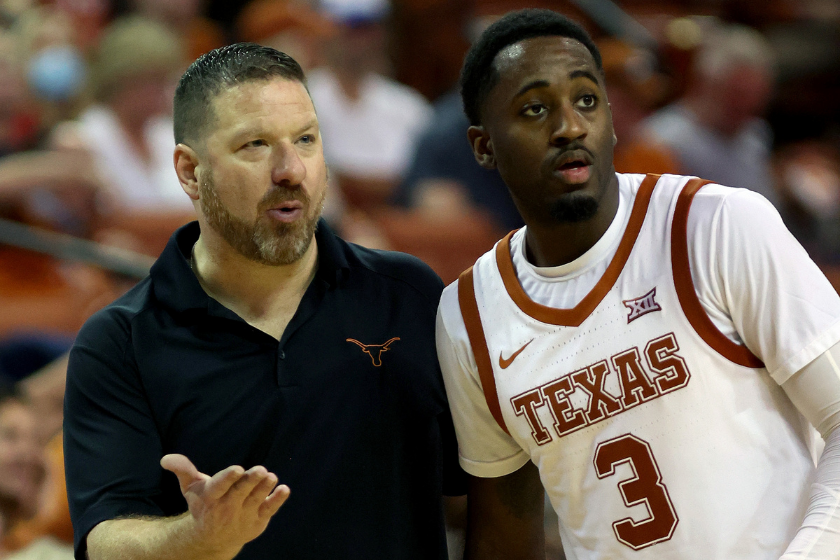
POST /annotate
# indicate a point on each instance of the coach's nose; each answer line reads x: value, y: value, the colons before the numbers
x: 288, y: 169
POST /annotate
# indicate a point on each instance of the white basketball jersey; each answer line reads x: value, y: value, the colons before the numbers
x: 656, y: 437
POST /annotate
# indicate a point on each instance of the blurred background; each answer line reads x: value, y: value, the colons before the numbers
x: 741, y: 92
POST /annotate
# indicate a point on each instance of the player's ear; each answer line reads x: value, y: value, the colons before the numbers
x: 482, y: 147
x: 186, y: 163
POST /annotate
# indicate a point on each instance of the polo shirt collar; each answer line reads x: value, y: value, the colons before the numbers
x: 176, y: 287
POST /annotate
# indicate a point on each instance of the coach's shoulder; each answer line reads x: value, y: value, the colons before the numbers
x: 401, y: 268
x: 111, y: 325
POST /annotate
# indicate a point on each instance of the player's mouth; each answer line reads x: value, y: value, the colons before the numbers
x: 573, y: 167
x: 287, y: 211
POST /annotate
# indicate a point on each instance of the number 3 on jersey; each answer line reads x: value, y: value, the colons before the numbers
x: 644, y: 488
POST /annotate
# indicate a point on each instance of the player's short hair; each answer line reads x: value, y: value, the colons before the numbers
x: 219, y: 69
x: 479, y: 74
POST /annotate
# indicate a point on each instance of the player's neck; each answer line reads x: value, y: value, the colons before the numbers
x: 557, y: 243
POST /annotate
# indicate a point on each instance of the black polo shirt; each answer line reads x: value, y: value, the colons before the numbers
x: 348, y: 408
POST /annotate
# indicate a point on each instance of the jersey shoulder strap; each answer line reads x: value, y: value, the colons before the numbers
x: 684, y: 285
x: 475, y: 332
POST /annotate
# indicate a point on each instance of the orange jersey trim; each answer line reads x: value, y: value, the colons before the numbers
x: 475, y: 332
x: 684, y: 285
x: 575, y: 316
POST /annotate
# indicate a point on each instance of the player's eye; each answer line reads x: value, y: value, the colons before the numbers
x: 534, y: 110
x: 588, y: 101
x: 255, y: 143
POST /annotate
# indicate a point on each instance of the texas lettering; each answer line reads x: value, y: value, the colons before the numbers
x: 643, y: 375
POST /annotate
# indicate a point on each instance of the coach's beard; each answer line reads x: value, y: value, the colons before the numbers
x: 265, y: 241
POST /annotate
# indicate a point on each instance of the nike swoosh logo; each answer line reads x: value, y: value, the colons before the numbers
x: 506, y: 363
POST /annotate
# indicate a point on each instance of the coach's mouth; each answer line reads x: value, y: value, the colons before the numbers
x: 287, y: 212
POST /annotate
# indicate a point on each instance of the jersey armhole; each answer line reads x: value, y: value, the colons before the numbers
x: 475, y: 332
x: 690, y: 303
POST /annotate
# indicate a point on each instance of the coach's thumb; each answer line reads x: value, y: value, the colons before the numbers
x: 183, y: 468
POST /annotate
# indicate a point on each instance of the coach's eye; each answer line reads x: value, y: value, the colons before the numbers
x: 255, y: 144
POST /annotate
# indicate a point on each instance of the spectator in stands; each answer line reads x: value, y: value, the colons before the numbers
x: 21, y: 458
x: 128, y: 132
x: 444, y: 176
x: 47, y: 44
x: 41, y: 188
x: 634, y: 87
x: 717, y: 130
x: 43, y: 391
x: 199, y: 33
x: 21, y: 478
x: 809, y: 187
x: 18, y: 121
x: 43, y: 84
x: 369, y: 122
x: 287, y: 26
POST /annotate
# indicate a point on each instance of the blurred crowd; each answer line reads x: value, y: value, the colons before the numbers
x: 743, y: 93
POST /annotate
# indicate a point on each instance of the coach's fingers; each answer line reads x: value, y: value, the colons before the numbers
x: 261, y: 491
x: 184, y: 469
x: 272, y: 503
x: 222, y: 481
x: 245, y: 485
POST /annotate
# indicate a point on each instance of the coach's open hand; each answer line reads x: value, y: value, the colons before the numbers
x: 230, y: 508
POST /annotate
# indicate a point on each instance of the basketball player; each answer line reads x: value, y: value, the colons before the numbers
x: 646, y: 349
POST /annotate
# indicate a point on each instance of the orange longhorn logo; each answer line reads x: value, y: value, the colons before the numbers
x: 374, y: 350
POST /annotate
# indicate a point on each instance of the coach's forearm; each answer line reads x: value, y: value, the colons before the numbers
x: 152, y: 538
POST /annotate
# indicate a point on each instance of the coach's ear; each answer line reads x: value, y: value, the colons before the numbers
x: 186, y: 164
x: 482, y: 147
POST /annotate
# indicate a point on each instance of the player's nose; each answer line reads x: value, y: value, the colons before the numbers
x: 568, y: 125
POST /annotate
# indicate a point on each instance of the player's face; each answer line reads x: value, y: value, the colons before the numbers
x: 262, y: 180
x: 547, y: 128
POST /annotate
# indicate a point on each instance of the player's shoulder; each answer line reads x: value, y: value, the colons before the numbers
x: 732, y: 196
x: 714, y: 201
x: 664, y: 186
x: 450, y: 319
x: 483, y: 268
x: 449, y: 299
x: 709, y: 197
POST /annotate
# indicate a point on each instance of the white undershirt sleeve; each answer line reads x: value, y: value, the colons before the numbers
x: 815, y: 390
